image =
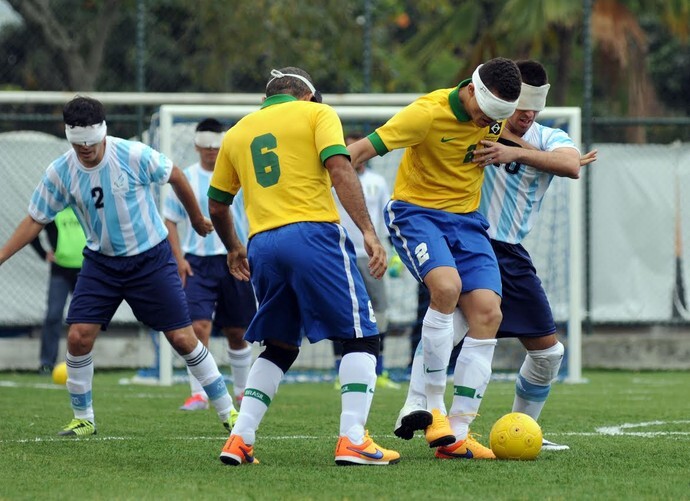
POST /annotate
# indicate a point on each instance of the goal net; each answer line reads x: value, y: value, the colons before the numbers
x: 555, y: 243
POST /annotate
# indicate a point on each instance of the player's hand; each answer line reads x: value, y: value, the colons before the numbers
x: 493, y: 153
x: 184, y: 269
x: 378, y: 261
x: 588, y: 158
x: 203, y: 226
x: 238, y: 264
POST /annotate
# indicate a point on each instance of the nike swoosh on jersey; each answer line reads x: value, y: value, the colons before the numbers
x: 446, y: 139
x: 429, y: 371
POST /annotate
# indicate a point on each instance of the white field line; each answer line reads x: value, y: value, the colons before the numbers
x: 620, y: 430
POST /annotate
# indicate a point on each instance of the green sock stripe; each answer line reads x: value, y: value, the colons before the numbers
x: 464, y: 391
x: 356, y: 387
x: 257, y: 394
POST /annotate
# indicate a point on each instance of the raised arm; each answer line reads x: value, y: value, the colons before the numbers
x: 349, y: 191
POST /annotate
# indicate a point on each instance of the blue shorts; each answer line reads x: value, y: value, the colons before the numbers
x: 525, y: 307
x: 149, y: 282
x: 305, y: 275
x: 212, y: 293
x: 428, y: 238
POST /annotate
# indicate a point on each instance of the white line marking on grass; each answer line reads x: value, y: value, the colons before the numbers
x: 620, y: 430
x: 42, y: 386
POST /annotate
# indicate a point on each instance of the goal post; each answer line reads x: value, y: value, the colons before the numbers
x: 556, y: 243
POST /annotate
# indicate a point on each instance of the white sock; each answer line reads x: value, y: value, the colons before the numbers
x: 240, y: 363
x: 195, y: 385
x: 415, y: 393
x: 357, y: 379
x: 203, y: 367
x: 472, y: 374
x: 533, y: 384
x: 262, y: 386
x: 437, y: 342
x: 79, y: 385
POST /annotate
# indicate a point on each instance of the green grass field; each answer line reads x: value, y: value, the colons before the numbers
x: 629, y: 435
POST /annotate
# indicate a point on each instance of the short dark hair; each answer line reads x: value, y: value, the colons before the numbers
x: 289, y: 85
x: 211, y: 125
x: 532, y: 72
x: 502, y: 77
x: 83, y: 111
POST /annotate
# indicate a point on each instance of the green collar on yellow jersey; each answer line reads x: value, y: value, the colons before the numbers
x: 277, y: 99
x: 456, y: 104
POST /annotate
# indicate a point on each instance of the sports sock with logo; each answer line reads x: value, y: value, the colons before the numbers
x: 262, y: 385
x: 472, y: 374
x: 240, y: 363
x: 357, y: 379
x: 203, y: 367
x: 437, y: 342
x: 79, y: 385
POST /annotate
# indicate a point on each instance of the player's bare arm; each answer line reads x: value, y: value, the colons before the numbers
x: 183, y: 190
x: 564, y: 162
x: 27, y: 230
x: 349, y: 190
x: 361, y: 151
x: 225, y: 229
x: 183, y: 267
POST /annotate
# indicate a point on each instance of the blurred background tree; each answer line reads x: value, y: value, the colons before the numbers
x: 641, y: 58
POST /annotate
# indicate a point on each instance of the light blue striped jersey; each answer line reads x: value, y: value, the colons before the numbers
x: 114, y: 201
x: 512, y: 194
x: 190, y: 241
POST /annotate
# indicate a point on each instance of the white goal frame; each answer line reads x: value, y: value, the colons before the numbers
x: 367, y: 110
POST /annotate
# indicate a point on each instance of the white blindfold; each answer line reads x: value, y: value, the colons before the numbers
x: 491, y: 105
x: 86, y: 136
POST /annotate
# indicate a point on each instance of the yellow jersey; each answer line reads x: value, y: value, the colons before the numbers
x: 277, y: 155
x: 437, y: 170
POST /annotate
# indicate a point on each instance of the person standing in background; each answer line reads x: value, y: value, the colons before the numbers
x: 214, y: 296
x: 67, y: 241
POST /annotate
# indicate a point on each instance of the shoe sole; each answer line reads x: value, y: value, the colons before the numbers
x: 442, y: 441
x: 363, y: 462
x: 229, y: 459
x: 415, y: 420
x: 72, y: 434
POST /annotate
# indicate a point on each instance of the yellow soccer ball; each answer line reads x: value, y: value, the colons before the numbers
x: 516, y: 436
x: 60, y: 373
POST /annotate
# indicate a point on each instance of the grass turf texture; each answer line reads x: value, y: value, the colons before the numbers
x: 147, y: 449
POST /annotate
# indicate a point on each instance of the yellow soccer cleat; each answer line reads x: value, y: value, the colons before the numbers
x: 465, y: 449
x: 439, y: 432
x: 368, y: 453
x: 235, y: 452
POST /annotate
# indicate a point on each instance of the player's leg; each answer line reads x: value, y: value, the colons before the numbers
x: 527, y: 316
x: 235, y: 310
x: 94, y: 302
x: 533, y: 385
x: 480, y: 303
x: 379, y: 302
x: 153, y: 290
x: 419, y: 237
x: 334, y: 304
x: 240, y: 357
x: 80, y: 340
x: 201, y: 291
x: 276, y: 325
x: 198, y: 400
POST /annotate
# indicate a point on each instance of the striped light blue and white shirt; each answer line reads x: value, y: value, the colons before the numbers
x: 190, y: 241
x: 113, y: 201
x: 512, y: 194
